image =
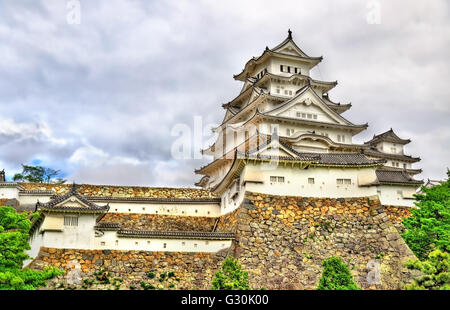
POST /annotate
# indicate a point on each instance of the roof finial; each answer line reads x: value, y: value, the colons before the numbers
x: 74, y: 187
x: 289, y: 34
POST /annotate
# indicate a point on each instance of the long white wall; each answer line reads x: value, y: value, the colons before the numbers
x: 111, y: 241
x: 325, y: 182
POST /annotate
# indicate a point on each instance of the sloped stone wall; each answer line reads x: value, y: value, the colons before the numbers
x: 281, y: 241
x: 128, y: 268
x: 160, y: 222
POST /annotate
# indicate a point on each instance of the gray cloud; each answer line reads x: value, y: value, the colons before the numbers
x: 113, y: 87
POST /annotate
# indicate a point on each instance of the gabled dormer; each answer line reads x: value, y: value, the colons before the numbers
x: 284, y: 59
x: 388, y: 142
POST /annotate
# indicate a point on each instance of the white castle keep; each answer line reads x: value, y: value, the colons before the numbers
x: 281, y: 135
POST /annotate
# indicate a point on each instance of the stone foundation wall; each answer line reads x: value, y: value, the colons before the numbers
x: 281, y: 241
x: 396, y: 214
x: 127, y: 269
x: 134, y: 221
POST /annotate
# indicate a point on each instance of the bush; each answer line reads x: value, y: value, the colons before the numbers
x: 436, y: 273
x: 14, y: 234
x: 151, y: 275
x: 336, y: 276
x: 231, y: 276
x: 428, y: 228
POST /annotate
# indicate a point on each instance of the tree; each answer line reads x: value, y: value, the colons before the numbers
x: 38, y: 174
x: 428, y: 227
x: 336, y: 276
x: 231, y: 276
x: 436, y: 272
x: 14, y: 233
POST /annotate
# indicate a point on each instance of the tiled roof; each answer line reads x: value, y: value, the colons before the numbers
x: 159, y: 222
x: 107, y: 226
x: 401, y: 177
x: 53, y: 205
x: 388, y: 136
x: 375, y: 153
x: 176, y: 234
x: 121, y: 191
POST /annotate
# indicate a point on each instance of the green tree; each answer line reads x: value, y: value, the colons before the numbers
x: 14, y: 232
x: 336, y: 276
x: 38, y: 174
x: 428, y: 227
x: 436, y: 272
x: 231, y: 276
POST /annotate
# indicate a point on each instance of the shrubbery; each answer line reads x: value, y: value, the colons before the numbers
x: 336, y: 276
x: 428, y: 228
x: 231, y: 276
x: 14, y: 229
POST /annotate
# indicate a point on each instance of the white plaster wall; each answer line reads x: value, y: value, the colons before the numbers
x: 325, y: 184
x: 36, y: 242
x: 110, y: 241
x: 389, y: 195
x: 302, y: 129
x: 185, y: 209
x: 73, y: 237
x: 385, y: 147
x: 276, y: 62
x: 9, y: 192
x: 27, y: 199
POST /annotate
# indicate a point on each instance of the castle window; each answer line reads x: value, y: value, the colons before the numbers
x: 290, y: 92
x: 289, y: 69
x: 310, y: 180
x: 343, y: 181
x: 148, y: 242
x: 165, y: 245
x: 136, y: 243
x: 309, y: 116
x: 277, y: 179
x: 281, y: 68
x: 70, y: 221
x: 278, y: 90
x: 404, y: 166
x: 102, y: 243
x: 295, y: 70
x: 314, y: 116
x: 117, y: 242
x: 183, y: 243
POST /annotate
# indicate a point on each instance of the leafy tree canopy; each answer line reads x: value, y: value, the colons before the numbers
x: 428, y: 228
x: 14, y: 232
x: 231, y: 276
x: 436, y: 272
x: 336, y: 276
x: 38, y: 174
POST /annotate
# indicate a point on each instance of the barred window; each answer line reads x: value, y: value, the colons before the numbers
x: 70, y: 221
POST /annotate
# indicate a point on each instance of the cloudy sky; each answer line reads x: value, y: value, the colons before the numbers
x: 101, y: 99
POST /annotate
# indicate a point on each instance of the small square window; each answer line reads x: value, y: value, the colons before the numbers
x: 273, y: 179
x: 347, y: 181
x: 102, y: 243
x: 339, y: 181
x: 281, y: 179
x: 310, y: 180
x: 314, y: 116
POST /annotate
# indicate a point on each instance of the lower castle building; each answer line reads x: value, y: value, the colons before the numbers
x: 286, y: 188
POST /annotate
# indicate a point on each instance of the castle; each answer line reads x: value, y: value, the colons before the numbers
x: 285, y: 150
